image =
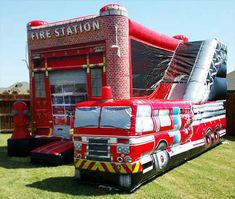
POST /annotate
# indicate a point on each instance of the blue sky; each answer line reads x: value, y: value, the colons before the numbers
x: 198, y: 19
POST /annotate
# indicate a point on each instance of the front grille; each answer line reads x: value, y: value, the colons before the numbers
x: 98, y: 149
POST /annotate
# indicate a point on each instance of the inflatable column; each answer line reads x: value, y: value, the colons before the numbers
x: 19, y: 143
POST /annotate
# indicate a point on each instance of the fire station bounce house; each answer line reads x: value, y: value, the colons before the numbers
x: 138, y: 102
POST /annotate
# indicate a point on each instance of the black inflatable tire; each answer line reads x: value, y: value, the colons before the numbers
x: 208, y: 141
x: 161, y: 146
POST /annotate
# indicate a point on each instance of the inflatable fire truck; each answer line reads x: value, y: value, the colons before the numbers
x: 164, y: 105
x: 148, y: 101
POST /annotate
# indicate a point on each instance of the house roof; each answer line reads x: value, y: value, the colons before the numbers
x: 231, y: 81
x: 17, y: 88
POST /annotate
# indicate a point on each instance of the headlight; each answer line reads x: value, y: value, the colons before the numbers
x: 124, y: 149
x: 77, y: 145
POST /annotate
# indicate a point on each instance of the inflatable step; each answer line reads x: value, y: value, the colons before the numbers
x: 55, y: 153
x: 22, y: 147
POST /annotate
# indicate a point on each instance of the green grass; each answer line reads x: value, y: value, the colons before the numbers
x: 211, y: 175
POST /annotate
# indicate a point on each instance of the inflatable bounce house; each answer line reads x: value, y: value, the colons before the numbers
x: 136, y: 101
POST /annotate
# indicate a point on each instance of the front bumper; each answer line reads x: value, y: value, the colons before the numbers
x: 108, y: 167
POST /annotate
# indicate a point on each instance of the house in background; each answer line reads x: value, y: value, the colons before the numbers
x: 16, y: 88
x: 230, y: 106
x: 231, y: 81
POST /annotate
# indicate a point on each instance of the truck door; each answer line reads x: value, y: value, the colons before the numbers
x: 41, y: 104
x: 96, y: 74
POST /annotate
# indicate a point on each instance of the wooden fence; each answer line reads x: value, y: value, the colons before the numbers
x: 6, y: 102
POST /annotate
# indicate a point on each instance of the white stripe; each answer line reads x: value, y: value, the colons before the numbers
x: 145, y: 159
x: 199, y: 144
x: 186, y: 147
x: 209, y: 114
x: 113, y: 139
x: 147, y: 169
x: 103, y: 136
x: 222, y: 132
x: 173, y: 133
x: 217, y: 103
x: 198, y: 141
x: 209, y: 109
x: 142, y: 140
x: 195, y: 123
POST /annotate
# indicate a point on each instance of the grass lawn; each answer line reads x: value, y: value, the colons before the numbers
x: 211, y: 175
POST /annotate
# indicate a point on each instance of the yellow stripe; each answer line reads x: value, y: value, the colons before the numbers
x: 94, y: 166
x: 130, y: 167
x: 100, y: 167
x: 122, y: 170
x: 87, y: 61
x: 86, y: 165
x: 133, y: 167
x: 71, y: 131
x: 136, y: 169
x: 109, y: 166
x: 50, y: 132
x: 98, y: 64
x: 78, y: 163
x: 45, y: 63
x: 104, y: 69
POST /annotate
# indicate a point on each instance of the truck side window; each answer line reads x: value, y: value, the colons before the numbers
x: 96, y: 81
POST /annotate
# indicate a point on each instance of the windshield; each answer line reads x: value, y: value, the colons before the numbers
x: 116, y: 117
x: 87, y: 117
x: 111, y: 117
